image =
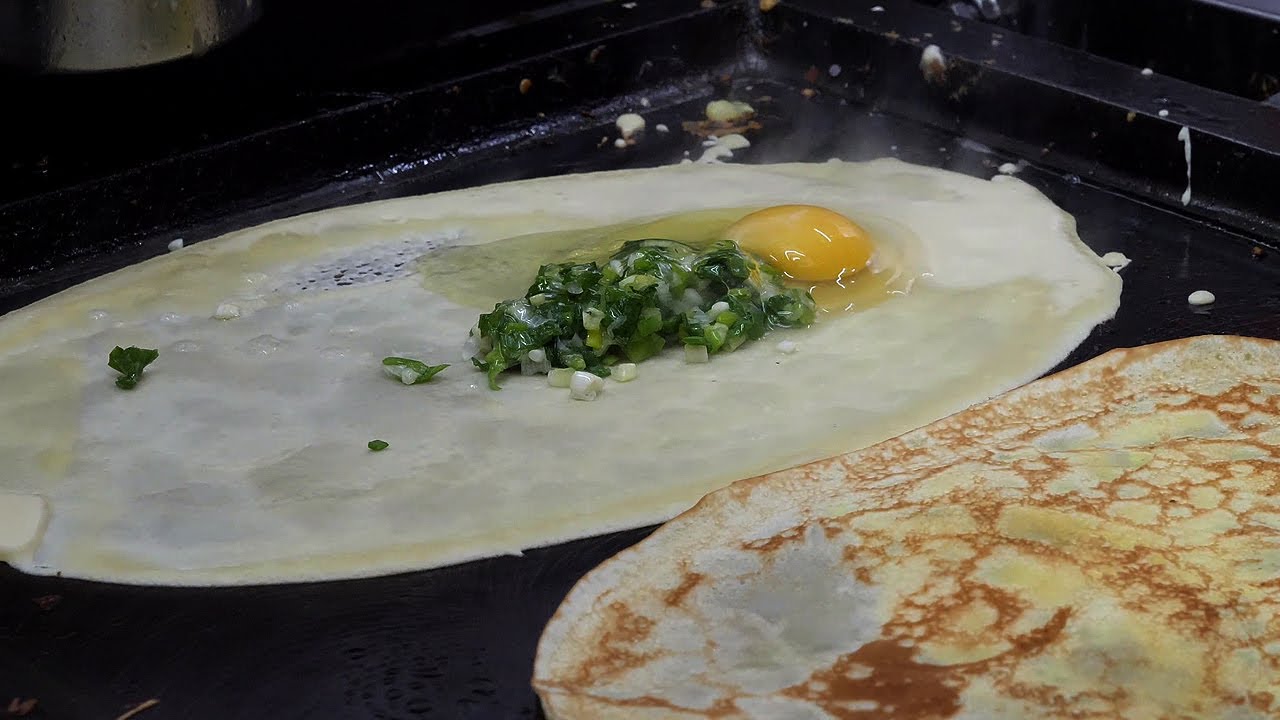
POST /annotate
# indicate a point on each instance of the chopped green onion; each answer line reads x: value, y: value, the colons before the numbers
x: 585, y: 386
x: 129, y: 362
x: 642, y: 349
x: 534, y: 363
x: 638, y: 282
x: 410, y: 371
x: 378, y: 445
x: 716, y: 335
x: 650, y: 322
x: 559, y: 377
x: 596, y: 319
x: 624, y: 372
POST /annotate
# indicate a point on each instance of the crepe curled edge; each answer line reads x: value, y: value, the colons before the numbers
x: 1102, y: 543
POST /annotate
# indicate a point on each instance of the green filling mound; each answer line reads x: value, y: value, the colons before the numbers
x: 649, y: 295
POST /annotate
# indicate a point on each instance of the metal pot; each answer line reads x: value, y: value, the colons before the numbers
x: 89, y: 35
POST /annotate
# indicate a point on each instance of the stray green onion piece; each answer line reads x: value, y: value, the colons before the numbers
x: 559, y: 377
x: 129, y: 362
x: 410, y: 371
x: 378, y: 445
x: 624, y: 372
x: 585, y: 386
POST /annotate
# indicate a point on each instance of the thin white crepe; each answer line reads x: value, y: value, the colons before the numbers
x: 241, y: 455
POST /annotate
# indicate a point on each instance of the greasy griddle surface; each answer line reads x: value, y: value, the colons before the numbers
x: 458, y: 642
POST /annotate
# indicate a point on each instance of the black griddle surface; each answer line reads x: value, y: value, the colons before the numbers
x: 458, y: 642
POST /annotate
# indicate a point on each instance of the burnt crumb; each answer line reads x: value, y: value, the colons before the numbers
x: 19, y: 707
x: 934, y: 69
x: 811, y: 75
x: 140, y: 707
x: 707, y: 128
x: 525, y: 86
x: 1257, y: 253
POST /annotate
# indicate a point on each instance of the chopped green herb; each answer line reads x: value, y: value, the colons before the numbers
x: 378, y: 445
x: 410, y: 371
x: 129, y: 362
x: 650, y: 295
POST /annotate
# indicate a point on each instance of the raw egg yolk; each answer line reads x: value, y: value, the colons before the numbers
x: 806, y: 242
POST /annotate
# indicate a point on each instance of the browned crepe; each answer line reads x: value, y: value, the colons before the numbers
x: 1104, y: 543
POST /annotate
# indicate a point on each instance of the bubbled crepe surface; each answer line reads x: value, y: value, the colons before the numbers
x: 1103, y: 543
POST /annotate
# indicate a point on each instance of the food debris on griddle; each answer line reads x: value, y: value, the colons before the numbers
x: 1116, y: 260
x: 630, y: 128
x: 47, y: 602
x: 19, y: 707
x: 140, y: 707
x: 934, y: 65
x: 1201, y: 297
x: 707, y: 128
x: 724, y: 117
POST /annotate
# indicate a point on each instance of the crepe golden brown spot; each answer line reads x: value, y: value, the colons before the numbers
x: 1103, y: 543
